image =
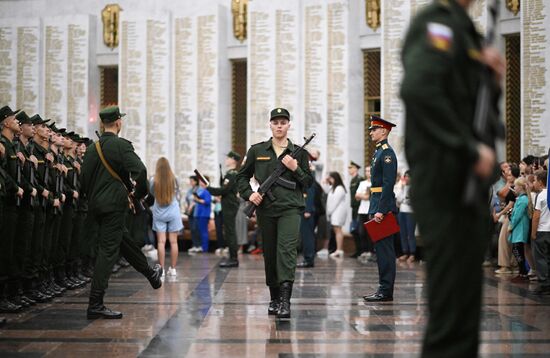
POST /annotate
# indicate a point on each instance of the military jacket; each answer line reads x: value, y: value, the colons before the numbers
x: 228, y: 192
x: 441, y: 59
x: 261, y: 161
x: 43, y: 173
x: 28, y: 174
x: 353, y: 186
x: 105, y: 193
x: 383, y: 176
x: 71, y: 181
x: 11, y: 162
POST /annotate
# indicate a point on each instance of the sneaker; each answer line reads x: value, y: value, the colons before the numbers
x: 219, y: 251
x: 198, y: 249
x: 533, y: 278
x: 503, y: 271
x: 258, y: 251
x: 338, y: 254
x: 532, y: 273
x: 192, y: 250
x: 322, y: 253
x: 172, y: 271
x: 251, y: 248
x: 152, y: 254
x: 226, y: 251
x: 147, y: 248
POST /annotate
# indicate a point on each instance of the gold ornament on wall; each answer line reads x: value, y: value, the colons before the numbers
x: 110, y: 16
x: 239, y: 9
x: 513, y: 6
x: 373, y: 13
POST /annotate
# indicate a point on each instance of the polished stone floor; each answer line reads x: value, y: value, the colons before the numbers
x: 211, y: 312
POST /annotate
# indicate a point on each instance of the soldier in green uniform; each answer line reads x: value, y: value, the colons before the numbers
x: 353, y: 171
x: 44, y: 197
x: 14, y: 194
x: 443, y: 60
x: 106, y: 182
x: 230, y: 205
x: 279, y: 220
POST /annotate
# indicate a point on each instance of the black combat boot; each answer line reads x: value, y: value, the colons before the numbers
x: 274, y: 302
x: 284, y: 300
x: 96, y: 309
x: 153, y: 275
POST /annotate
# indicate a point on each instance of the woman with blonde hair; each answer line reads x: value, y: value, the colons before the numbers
x: 166, y: 212
x: 519, y: 226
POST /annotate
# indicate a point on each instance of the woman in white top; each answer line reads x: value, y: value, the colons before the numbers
x: 406, y: 220
x: 337, y: 211
x: 363, y: 194
x: 166, y: 212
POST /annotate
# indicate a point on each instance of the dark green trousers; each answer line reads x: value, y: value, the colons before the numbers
x: 229, y: 231
x: 114, y: 240
x: 37, y: 242
x: 455, y: 241
x: 76, y: 237
x: 65, y: 236
x: 89, y: 241
x: 280, y: 239
x: 52, y: 224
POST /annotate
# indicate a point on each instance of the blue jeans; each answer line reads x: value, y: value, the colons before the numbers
x: 307, y: 232
x: 408, y: 240
x: 195, y: 236
x: 202, y: 225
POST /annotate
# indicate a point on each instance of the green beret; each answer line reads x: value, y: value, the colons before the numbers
x: 353, y: 164
x: 234, y: 155
x: 23, y: 118
x: 110, y: 114
x: 279, y: 112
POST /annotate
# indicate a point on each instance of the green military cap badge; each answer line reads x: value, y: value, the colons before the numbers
x: 234, y: 155
x: 279, y: 112
x: 23, y: 118
x: 110, y: 114
x: 353, y: 164
x: 37, y: 120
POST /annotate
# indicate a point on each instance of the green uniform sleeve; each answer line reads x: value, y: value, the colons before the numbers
x: 136, y: 168
x: 302, y: 174
x: 229, y: 182
x: 424, y: 90
x: 245, y: 173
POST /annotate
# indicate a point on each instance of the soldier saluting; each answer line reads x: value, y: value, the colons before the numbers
x: 279, y: 215
x: 106, y: 173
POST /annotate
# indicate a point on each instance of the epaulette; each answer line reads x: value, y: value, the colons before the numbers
x: 385, y: 146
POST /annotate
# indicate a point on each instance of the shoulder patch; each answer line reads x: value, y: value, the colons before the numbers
x: 440, y: 36
x: 388, y: 159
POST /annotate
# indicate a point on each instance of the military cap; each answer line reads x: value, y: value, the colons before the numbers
x: 234, y: 155
x: 23, y: 118
x: 67, y: 134
x: 6, y: 112
x: 110, y: 114
x: 376, y: 121
x: 37, y: 120
x: 353, y: 164
x: 53, y: 128
x: 62, y: 131
x: 279, y: 112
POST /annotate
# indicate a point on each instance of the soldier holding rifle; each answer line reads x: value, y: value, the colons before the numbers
x: 445, y: 62
x: 278, y: 209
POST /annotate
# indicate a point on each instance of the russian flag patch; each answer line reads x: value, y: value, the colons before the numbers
x: 440, y: 36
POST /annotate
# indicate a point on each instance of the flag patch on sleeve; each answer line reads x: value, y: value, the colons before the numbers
x: 440, y: 36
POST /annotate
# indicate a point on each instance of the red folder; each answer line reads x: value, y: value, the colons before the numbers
x: 378, y: 231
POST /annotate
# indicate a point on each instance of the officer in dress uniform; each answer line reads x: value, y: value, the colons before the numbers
x: 279, y: 219
x: 230, y: 206
x: 382, y: 202
x: 443, y: 60
x: 106, y: 174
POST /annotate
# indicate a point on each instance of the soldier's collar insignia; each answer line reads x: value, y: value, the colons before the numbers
x: 387, y: 159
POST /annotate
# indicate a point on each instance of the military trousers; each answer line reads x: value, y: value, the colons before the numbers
x: 37, y: 242
x: 114, y: 240
x: 280, y: 241
x: 50, y: 237
x: 65, y: 236
x: 385, y: 260
x: 76, y: 237
x: 22, y: 245
x: 455, y: 241
x: 229, y: 231
x: 89, y: 241
x: 8, y: 234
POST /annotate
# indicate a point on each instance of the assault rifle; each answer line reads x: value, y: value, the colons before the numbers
x: 487, y: 125
x: 17, y: 170
x: 32, y: 174
x: 276, y: 178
